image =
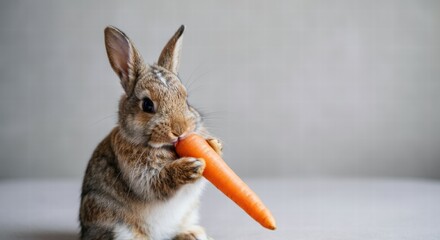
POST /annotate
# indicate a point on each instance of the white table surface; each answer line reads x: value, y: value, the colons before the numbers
x: 304, y: 209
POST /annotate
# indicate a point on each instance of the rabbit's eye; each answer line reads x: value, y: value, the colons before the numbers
x: 148, y: 105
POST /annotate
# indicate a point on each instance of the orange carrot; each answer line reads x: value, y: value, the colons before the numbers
x: 219, y: 174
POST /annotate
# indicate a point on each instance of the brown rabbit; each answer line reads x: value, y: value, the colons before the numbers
x: 135, y: 185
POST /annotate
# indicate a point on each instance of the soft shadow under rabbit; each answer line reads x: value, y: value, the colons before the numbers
x: 135, y: 185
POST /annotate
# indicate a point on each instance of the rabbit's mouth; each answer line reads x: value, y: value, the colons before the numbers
x: 177, y: 139
x: 171, y: 142
x: 162, y: 141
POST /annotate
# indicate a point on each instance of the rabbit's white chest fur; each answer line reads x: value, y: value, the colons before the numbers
x: 165, y: 219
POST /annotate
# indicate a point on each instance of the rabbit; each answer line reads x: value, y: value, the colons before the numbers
x: 135, y: 185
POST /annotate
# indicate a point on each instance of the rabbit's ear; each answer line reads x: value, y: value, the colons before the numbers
x: 123, y: 56
x: 169, y: 58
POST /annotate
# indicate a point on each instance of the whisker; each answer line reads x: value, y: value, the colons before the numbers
x: 187, y: 82
x: 210, y: 114
x: 213, y: 117
x: 116, y: 178
x: 196, y: 79
x: 100, y: 120
x: 205, y: 112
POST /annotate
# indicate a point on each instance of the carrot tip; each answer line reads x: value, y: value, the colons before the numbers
x: 271, y: 225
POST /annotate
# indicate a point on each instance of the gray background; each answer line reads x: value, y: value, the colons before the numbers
x: 295, y: 88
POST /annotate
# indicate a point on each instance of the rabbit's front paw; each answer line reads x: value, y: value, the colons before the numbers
x: 188, y: 169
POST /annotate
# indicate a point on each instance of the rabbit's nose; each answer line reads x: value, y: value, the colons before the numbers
x: 180, y: 131
x: 179, y: 126
x: 179, y: 134
x: 175, y: 134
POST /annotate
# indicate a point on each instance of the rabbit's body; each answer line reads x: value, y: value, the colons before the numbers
x: 135, y: 185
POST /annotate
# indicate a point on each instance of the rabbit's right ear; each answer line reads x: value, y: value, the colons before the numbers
x: 123, y: 57
x: 169, y: 57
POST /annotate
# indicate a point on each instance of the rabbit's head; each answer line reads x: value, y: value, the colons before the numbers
x: 154, y: 110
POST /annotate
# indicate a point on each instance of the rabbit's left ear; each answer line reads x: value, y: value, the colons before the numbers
x: 123, y: 56
x: 169, y: 58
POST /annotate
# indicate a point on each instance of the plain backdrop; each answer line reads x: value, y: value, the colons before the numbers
x: 293, y: 88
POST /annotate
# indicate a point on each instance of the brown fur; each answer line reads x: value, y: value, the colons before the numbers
x: 136, y: 164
